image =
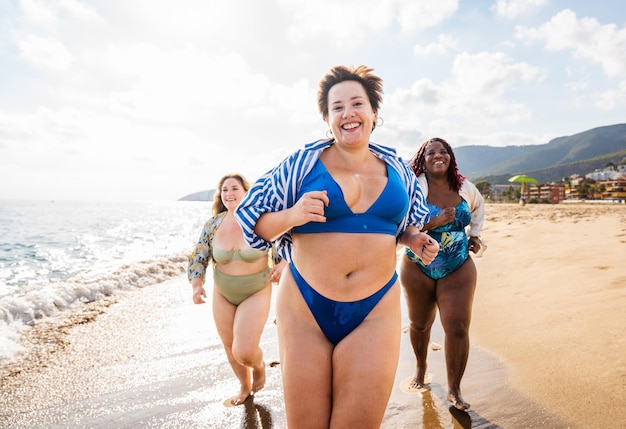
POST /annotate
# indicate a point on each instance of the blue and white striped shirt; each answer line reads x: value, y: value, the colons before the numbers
x: 278, y: 189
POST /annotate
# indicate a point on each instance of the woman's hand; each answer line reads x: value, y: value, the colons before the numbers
x: 199, y: 294
x: 424, y: 247
x: 446, y: 216
x: 309, y: 208
x: 277, y: 271
x: 475, y: 244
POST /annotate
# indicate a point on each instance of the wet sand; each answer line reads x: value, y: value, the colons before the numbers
x: 547, y: 345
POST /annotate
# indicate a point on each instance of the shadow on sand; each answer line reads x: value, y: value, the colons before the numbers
x: 432, y: 417
x: 256, y: 416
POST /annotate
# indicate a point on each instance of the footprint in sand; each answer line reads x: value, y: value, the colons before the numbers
x: 228, y: 403
x: 408, y: 385
x: 435, y: 346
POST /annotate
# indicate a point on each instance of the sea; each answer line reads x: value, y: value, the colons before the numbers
x: 57, y: 255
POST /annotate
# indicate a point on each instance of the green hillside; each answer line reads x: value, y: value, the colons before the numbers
x: 577, y: 154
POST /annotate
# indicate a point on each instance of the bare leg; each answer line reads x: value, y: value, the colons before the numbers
x: 455, y: 295
x: 240, y: 328
x: 305, y: 359
x: 258, y: 377
x: 224, y: 316
x: 361, y: 387
x: 250, y: 318
x: 420, y: 297
x: 243, y: 375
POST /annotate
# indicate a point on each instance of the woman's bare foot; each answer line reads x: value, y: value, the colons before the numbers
x: 416, y: 385
x: 457, y: 400
x: 420, y: 380
x: 241, y: 398
x: 258, y: 378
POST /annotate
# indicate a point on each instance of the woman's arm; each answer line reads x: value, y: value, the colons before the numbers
x: 201, y: 255
x: 477, y: 207
x: 199, y: 261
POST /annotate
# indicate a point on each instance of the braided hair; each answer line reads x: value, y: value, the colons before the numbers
x: 455, y: 179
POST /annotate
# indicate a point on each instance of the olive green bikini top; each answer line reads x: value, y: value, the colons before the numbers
x: 222, y: 256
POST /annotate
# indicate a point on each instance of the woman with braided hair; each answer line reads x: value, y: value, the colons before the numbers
x: 448, y: 282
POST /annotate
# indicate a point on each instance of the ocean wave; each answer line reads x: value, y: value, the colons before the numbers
x: 19, y: 311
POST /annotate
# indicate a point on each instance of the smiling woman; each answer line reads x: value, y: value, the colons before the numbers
x: 448, y: 283
x: 242, y: 279
x: 349, y: 202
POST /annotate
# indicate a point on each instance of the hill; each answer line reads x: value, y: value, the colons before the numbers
x: 199, y: 196
x: 580, y: 153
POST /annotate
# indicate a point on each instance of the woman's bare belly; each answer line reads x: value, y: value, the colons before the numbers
x: 345, y: 267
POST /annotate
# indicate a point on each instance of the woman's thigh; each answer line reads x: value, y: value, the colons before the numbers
x: 224, y: 317
x: 364, y: 366
x: 250, y: 319
x: 455, y: 294
x: 420, y: 293
x: 305, y: 359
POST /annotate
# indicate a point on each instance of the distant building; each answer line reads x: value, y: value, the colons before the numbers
x: 553, y: 192
x: 613, y: 189
x: 571, y: 191
x: 607, y: 173
x: 575, y: 179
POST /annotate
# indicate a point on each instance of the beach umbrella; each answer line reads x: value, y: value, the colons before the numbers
x: 523, y: 179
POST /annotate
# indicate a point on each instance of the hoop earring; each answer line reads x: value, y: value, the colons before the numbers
x: 329, y: 134
x: 379, y: 123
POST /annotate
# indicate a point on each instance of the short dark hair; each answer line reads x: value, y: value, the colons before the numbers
x: 372, y: 84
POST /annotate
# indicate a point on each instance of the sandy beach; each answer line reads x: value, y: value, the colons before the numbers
x: 551, y: 303
x: 547, y: 345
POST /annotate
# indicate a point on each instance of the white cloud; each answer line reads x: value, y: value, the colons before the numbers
x: 80, y: 10
x: 479, y: 85
x: 327, y: 20
x: 585, y: 37
x: 489, y: 74
x: 39, y: 13
x: 513, y: 8
x: 350, y: 22
x: 442, y: 46
x: 414, y: 15
x: 182, y: 84
x: 578, y: 86
x: 45, y: 53
x: 611, y: 99
x: 472, y: 100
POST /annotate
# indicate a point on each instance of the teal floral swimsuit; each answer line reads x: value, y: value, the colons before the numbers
x: 453, y: 243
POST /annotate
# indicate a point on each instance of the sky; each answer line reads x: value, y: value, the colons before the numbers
x: 123, y: 100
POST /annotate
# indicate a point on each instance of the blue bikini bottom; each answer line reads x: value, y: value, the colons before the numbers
x: 337, y: 319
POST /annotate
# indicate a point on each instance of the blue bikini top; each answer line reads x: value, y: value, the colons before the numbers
x: 382, y: 217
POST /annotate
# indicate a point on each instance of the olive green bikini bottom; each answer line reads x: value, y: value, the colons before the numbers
x: 237, y: 288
